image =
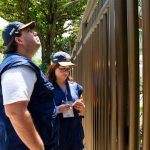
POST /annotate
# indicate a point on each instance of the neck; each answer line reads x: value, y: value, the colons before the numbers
x: 23, y: 53
x: 29, y: 57
x: 62, y: 85
x: 60, y: 82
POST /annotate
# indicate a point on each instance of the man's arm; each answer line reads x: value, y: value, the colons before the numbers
x: 23, y: 124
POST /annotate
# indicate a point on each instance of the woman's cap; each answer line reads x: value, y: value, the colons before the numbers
x: 12, y: 29
x: 62, y: 58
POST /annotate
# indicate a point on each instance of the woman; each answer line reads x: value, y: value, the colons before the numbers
x: 69, y: 102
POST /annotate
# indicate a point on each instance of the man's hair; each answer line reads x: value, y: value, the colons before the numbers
x: 13, y: 47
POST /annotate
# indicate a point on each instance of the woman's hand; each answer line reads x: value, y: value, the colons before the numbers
x: 63, y: 108
x: 79, y: 105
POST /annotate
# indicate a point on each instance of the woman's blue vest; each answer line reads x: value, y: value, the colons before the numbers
x: 41, y: 105
x: 71, y: 132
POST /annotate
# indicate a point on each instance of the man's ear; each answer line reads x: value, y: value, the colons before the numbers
x: 18, y: 40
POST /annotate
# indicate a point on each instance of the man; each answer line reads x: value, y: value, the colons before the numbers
x: 26, y: 92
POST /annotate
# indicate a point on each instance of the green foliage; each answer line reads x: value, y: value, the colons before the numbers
x: 37, y: 61
x: 50, y: 16
x: 2, y: 56
x: 43, y: 67
x: 1, y: 42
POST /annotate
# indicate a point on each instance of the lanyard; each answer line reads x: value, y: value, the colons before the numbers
x: 66, y: 95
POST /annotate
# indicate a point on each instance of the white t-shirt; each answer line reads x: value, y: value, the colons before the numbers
x: 17, y: 84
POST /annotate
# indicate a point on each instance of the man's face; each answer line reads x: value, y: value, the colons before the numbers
x: 30, y: 41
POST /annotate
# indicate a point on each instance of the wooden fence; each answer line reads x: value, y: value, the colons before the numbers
x: 107, y: 58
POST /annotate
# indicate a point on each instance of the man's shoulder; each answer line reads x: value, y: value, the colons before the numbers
x: 14, y: 60
x: 20, y: 70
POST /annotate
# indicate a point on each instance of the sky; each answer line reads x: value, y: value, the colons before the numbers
x: 3, y: 23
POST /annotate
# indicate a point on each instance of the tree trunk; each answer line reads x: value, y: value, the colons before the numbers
x: 48, y: 44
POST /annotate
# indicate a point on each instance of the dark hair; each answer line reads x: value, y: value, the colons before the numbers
x: 13, y: 46
x: 51, y: 73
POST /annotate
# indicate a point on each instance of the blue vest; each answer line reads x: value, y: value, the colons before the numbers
x: 2, y: 135
x: 41, y: 106
x: 71, y: 132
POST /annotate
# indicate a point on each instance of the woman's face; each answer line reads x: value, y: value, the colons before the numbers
x: 62, y: 72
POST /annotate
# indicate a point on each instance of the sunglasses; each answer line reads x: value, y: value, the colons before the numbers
x: 62, y: 68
